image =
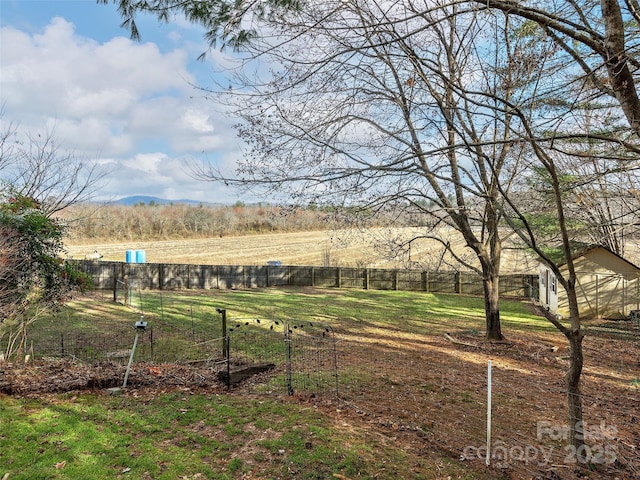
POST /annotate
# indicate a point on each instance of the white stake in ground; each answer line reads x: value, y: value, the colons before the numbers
x: 488, y: 460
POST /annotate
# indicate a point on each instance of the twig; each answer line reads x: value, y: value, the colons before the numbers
x: 458, y: 342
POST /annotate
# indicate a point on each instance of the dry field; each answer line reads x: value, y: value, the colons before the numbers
x: 319, y: 248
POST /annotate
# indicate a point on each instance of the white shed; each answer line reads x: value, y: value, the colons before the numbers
x: 607, y: 285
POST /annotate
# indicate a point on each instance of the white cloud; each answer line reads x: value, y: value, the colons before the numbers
x: 197, y: 120
x: 120, y: 101
x: 151, y: 173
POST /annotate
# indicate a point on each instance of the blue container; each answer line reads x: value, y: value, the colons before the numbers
x: 130, y: 256
x: 141, y: 256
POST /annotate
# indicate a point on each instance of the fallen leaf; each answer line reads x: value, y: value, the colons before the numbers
x: 61, y: 464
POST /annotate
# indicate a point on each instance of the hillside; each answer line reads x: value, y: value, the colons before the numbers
x: 147, y: 200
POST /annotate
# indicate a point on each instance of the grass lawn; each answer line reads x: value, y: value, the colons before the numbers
x: 196, y: 433
x: 183, y: 434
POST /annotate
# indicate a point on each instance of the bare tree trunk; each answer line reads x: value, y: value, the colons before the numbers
x: 612, y: 48
x: 575, y: 335
x: 616, y: 61
x: 491, y: 285
x: 574, y: 398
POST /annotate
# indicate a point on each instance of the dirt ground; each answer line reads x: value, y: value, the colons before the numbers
x: 429, y: 394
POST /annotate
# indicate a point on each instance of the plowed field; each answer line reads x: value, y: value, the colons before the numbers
x: 320, y: 248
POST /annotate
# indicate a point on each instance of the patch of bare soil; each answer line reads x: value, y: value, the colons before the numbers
x: 432, y: 393
x: 64, y: 375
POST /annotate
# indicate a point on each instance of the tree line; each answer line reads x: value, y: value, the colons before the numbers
x: 90, y: 221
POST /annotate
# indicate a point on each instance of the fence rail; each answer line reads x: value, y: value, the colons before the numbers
x: 162, y: 276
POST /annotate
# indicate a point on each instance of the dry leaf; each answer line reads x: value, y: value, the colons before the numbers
x: 61, y: 464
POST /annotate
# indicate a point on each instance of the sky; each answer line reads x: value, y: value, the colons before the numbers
x: 68, y: 69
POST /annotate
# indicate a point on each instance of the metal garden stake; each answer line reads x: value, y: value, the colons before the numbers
x: 140, y: 326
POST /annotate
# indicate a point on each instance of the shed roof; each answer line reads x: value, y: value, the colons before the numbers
x: 585, y: 251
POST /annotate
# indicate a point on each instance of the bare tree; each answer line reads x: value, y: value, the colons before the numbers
x: 570, y: 169
x: 601, y: 204
x: 35, y: 166
x: 377, y: 111
x: 393, y: 110
x: 599, y: 37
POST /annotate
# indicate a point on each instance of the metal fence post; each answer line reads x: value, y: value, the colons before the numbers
x: 335, y: 364
x: 287, y: 343
x: 115, y: 283
x: 151, y: 343
x: 225, y: 343
x: 488, y: 458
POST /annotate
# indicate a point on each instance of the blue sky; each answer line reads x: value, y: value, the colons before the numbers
x: 67, y: 67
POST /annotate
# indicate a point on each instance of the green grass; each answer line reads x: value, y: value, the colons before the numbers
x: 418, y: 312
x: 175, y: 314
x: 180, y: 435
x: 414, y: 311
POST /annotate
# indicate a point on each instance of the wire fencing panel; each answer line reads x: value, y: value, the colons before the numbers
x: 300, y: 356
x: 179, y: 331
x: 253, y: 346
x: 311, y: 359
x: 159, y: 342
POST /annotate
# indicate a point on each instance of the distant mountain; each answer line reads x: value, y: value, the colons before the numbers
x: 148, y: 200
